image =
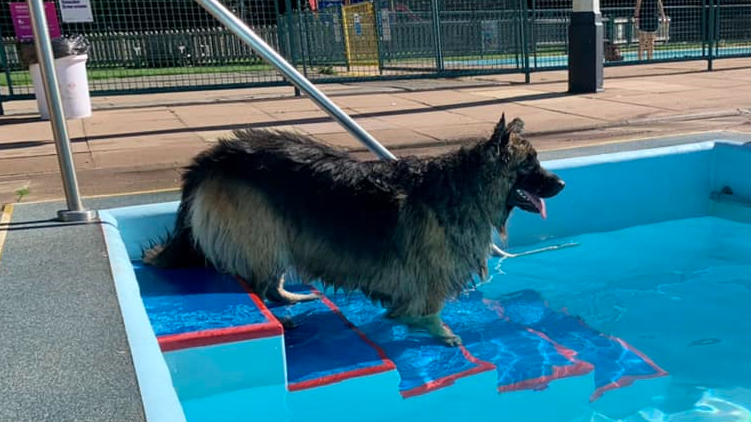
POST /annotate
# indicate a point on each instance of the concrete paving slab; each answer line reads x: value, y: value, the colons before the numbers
x: 413, y: 111
x: 293, y: 115
x: 379, y: 102
x: 26, y: 149
x: 143, y: 143
x: 592, y: 108
x: 442, y: 98
x: 217, y: 114
x: 369, y: 124
x: 289, y: 104
x: 401, y: 138
x: 509, y: 93
x: 125, y: 123
x: 170, y: 155
x: 429, y: 119
x: 41, y: 164
x: 19, y: 130
x: 676, y: 103
x: 452, y: 133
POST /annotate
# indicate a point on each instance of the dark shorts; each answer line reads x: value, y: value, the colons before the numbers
x: 648, y: 22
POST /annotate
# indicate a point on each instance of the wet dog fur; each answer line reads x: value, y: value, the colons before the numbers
x: 409, y: 234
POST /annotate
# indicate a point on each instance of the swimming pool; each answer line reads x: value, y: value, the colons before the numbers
x: 643, y: 320
x: 543, y: 60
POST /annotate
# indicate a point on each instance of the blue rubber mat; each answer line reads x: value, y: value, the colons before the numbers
x: 196, y: 306
x: 522, y: 358
x: 323, y: 347
x: 423, y: 363
x: 616, y: 364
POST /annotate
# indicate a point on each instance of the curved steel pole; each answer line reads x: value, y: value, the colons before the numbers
x: 43, y: 44
x: 239, y: 28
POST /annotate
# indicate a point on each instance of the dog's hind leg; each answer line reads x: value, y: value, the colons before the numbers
x: 279, y: 295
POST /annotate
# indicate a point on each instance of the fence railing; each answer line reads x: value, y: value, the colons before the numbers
x: 367, y: 40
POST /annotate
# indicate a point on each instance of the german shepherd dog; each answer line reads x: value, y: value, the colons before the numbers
x: 409, y: 233
x: 612, y: 52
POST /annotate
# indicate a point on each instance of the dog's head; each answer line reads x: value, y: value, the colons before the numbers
x: 528, y: 182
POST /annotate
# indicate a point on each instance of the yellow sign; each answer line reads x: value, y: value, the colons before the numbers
x: 360, y: 36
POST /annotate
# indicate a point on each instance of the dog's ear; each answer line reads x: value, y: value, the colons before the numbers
x: 502, y: 132
x: 499, y: 133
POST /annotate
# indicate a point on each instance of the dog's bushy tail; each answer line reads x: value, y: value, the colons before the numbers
x: 177, y: 249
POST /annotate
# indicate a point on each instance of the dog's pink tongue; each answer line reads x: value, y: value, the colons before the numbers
x: 539, y: 203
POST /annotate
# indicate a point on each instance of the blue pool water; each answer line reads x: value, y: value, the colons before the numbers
x: 678, y: 291
x: 562, y: 60
x: 644, y: 320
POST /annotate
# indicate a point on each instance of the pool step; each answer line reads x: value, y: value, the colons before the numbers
x: 217, y: 337
x: 616, y: 364
x: 322, y: 347
x: 520, y: 358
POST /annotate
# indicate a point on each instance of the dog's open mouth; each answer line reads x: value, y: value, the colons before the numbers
x: 529, y: 202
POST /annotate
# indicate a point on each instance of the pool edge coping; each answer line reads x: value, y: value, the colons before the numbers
x: 158, y: 395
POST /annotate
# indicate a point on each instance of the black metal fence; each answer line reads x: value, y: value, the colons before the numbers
x: 143, y: 46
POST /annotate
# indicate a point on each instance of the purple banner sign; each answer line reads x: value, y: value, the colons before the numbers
x: 19, y: 12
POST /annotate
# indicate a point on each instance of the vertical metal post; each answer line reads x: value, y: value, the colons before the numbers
x: 533, y: 42
x: 291, y: 38
x: 307, y: 57
x: 300, y: 33
x: 377, y: 23
x: 249, y: 37
x: 6, y: 66
x: 525, y: 43
x: 712, y: 34
x: 343, y: 26
x: 585, y: 51
x: 704, y: 23
x: 43, y: 44
x: 437, y: 35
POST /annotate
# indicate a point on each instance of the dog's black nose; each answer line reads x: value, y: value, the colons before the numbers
x: 554, y: 187
x: 559, y: 185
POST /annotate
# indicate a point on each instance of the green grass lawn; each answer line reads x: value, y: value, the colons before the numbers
x: 20, y: 78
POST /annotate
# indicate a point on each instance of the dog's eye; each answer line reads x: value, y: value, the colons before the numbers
x: 528, y: 165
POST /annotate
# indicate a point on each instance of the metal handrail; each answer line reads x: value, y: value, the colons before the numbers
x: 43, y: 44
x: 242, y: 31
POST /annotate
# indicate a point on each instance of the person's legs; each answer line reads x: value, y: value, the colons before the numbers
x: 642, y: 38
x: 650, y: 44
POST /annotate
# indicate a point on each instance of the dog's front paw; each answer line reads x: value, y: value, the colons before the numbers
x: 452, y: 341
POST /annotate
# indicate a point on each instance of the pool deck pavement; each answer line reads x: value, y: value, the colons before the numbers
x: 64, y: 344
x: 140, y: 142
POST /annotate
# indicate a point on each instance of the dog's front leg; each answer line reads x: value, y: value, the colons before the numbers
x: 434, y: 326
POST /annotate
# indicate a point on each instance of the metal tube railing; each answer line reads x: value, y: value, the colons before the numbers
x: 43, y: 44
